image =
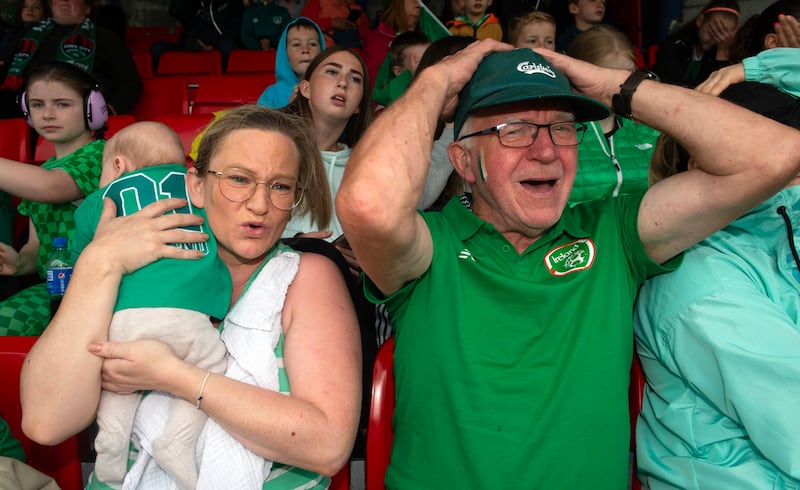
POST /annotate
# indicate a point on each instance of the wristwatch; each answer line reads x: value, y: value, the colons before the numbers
x: 621, y: 102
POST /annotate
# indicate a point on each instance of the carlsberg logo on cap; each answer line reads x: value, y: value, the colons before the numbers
x: 503, y: 78
x: 530, y: 68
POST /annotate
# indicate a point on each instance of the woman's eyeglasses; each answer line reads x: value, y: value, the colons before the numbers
x: 239, y: 185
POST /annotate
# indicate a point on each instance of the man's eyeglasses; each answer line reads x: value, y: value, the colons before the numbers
x: 238, y: 185
x: 522, y: 134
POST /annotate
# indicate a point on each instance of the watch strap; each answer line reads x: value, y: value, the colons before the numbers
x: 621, y: 102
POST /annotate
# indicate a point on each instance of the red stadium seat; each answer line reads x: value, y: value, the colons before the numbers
x: 640, y: 61
x: 43, y: 151
x: 217, y: 92
x: 651, y: 55
x: 635, y: 394
x: 190, y: 63
x: 380, y: 434
x: 144, y: 63
x: 251, y: 61
x: 62, y: 462
x: 162, y: 95
x: 15, y: 139
x: 341, y: 480
x: 187, y: 127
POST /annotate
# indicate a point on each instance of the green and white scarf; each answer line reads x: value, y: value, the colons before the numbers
x: 78, y: 48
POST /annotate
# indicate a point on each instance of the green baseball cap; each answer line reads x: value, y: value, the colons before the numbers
x: 521, y: 75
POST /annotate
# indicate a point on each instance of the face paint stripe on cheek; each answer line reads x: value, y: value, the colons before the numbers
x: 484, y: 174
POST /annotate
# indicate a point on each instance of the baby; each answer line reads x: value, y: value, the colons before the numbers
x: 170, y: 300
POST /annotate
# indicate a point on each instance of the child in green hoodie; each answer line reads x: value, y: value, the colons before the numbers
x: 397, y: 70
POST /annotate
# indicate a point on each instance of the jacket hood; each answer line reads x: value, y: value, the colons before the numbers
x: 337, y: 158
x: 764, y: 219
x: 277, y: 95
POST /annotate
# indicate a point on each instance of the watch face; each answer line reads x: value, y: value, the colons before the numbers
x: 652, y: 75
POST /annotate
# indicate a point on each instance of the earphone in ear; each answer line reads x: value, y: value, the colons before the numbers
x: 95, y: 108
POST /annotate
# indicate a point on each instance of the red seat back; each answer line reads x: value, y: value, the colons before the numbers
x: 251, y: 61
x: 14, y: 139
x: 341, y: 480
x: 652, y: 51
x: 62, y: 462
x: 640, y: 61
x: 190, y: 63
x: 163, y: 95
x: 187, y: 126
x: 635, y: 395
x: 144, y: 63
x: 217, y: 92
x: 380, y: 434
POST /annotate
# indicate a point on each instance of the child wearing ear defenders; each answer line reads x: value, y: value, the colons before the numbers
x: 64, y: 106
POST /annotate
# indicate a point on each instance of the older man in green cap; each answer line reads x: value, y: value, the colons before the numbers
x: 512, y: 315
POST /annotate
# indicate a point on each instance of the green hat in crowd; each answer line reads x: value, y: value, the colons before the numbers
x: 517, y: 76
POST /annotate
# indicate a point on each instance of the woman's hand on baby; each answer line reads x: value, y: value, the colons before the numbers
x: 134, y: 366
x: 128, y: 243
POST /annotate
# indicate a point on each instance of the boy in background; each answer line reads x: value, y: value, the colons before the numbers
x: 475, y: 22
x: 301, y: 42
x: 263, y: 22
x: 535, y: 29
x: 169, y: 300
x: 405, y: 52
x: 585, y: 14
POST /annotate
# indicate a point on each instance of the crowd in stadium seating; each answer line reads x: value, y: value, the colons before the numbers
x: 298, y: 56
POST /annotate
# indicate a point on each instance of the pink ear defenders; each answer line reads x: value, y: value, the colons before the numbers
x: 95, y: 109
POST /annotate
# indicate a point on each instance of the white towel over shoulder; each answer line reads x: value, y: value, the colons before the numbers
x: 251, y: 332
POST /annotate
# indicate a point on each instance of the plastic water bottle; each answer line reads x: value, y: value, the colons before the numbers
x: 58, y: 272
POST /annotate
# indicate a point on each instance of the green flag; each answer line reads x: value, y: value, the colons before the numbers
x: 430, y: 25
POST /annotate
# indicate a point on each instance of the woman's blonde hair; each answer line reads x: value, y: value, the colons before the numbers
x: 316, y: 195
x: 669, y: 158
x: 597, y: 42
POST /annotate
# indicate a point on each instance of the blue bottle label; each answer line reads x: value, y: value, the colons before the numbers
x: 57, y: 280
